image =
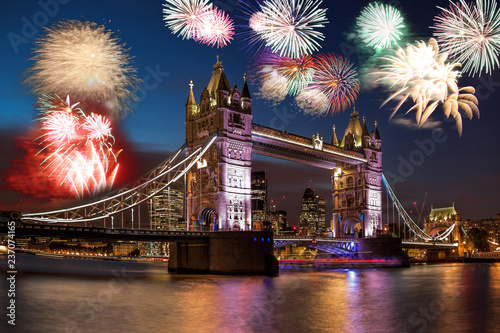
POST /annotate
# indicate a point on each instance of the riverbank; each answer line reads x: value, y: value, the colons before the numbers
x: 108, y: 266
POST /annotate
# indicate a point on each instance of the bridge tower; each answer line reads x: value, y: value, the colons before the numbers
x: 357, y: 189
x: 440, y: 219
x: 219, y: 188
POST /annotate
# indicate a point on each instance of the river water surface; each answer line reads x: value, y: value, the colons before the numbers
x: 423, y: 298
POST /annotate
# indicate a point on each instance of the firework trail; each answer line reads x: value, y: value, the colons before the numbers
x: 198, y: 20
x: 77, y: 149
x: 335, y: 84
x: 380, y: 26
x: 86, y: 61
x: 470, y: 34
x: 420, y: 73
x: 287, y: 26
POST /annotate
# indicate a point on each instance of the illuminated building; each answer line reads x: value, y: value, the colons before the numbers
x: 440, y: 219
x: 166, y: 209
x: 259, y: 196
x: 279, y: 221
x: 312, y: 213
x: 219, y: 189
x: 492, y: 226
x: 357, y: 189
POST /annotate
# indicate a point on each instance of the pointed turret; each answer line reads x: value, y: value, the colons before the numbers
x: 354, y: 130
x: 245, y: 92
x: 191, y: 107
x: 191, y: 100
x: 335, y: 142
x: 365, y: 130
x: 246, y: 100
x: 218, y: 78
x: 377, y: 135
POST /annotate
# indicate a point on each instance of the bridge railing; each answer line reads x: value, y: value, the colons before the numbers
x: 316, y: 238
x: 106, y: 230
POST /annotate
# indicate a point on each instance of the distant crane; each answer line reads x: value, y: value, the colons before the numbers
x: 421, y: 209
x: 273, y: 205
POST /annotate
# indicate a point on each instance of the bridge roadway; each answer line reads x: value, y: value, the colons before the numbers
x: 344, y: 244
x: 47, y: 230
x: 350, y: 244
x: 428, y: 245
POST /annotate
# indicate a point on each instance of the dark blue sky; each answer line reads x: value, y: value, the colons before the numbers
x: 463, y: 170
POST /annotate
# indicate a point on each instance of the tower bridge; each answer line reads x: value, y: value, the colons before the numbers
x: 219, y: 190
x: 215, y: 164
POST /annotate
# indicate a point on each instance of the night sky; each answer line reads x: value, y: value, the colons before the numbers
x: 463, y: 170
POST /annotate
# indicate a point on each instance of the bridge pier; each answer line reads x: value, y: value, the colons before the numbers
x: 226, y: 252
x: 383, y: 248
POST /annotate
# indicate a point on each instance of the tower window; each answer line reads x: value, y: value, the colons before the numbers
x: 350, y: 182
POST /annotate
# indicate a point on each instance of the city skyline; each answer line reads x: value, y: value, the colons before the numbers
x: 447, y: 167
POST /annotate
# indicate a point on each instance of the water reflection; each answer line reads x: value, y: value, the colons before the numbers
x: 440, y: 298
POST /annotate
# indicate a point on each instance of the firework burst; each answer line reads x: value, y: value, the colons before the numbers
x: 185, y: 17
x: 380, y: 25
x: 335, y: 81
x: 84, y: 60
x: 470, y: 34
x: 421, y: 73
x: 295, y: 74
x: 216, y: 29
x: 77, y: 149
x: 198, y: 20
x: 288, y: 26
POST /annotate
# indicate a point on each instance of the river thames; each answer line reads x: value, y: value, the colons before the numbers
x: 423, y: 298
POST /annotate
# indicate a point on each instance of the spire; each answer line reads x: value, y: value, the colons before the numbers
x: 365, y: 130
x: 191, y: 100
x: 245, y: 92
x: 377, y: 135
x: 335, y: 142
x: 218, y: 76
x: 218, y: 64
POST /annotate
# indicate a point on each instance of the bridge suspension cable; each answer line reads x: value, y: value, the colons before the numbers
x: 128, y: 197
x: 408, y: 221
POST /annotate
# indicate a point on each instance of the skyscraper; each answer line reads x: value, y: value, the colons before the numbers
x: 312, y: 213
x: 259, y: 196
x: 166, y: 209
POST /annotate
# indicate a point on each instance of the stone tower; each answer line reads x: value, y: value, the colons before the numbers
x: 219, y: 188
x: 357, y: 189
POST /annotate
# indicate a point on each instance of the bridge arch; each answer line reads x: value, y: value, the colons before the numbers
x: 353, y: 226
x: 207, y: 217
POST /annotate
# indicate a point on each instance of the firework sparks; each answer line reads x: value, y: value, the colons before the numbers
x: 312, y: 102
x: 470, y: 34
x: 289, y: 26
x: 98, y: 127
x: 257, y: 22
x: 216, y: 29
x: 335, y: 81
x: 84, y: 60
x: 198, y: 20
x: 273, y: 87
x: 380, y: 25
x: 295, y: 74
x: 77, y: 148
x: 421, y: 73
x: 185, y: 17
